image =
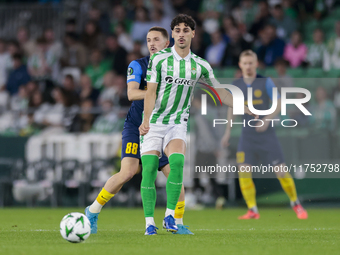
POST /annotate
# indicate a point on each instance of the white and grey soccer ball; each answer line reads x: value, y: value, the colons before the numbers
x: 75, y: 227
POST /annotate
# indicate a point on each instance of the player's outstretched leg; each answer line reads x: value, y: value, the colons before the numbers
x: 129, y: 167
x: 148, y: 191
x: 288, y: 185
x: 249, y: 194
x: 180, y: 207
x: 173, y: 190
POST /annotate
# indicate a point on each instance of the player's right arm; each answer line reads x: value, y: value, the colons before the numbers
x: 149, y: 105
x: 134, y: 78
x: 152, y: 78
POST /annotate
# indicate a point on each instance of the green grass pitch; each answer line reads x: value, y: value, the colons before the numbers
x: 121, y: 231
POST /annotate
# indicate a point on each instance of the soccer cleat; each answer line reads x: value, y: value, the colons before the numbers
x: 151, y: 230
x: 249, y: 215
x: 169, y: 224
x: 301, y: 213
x: 93, y: 218
x: 183, y: 230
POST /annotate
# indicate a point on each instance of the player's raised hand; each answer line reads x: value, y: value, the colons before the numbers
x: 247, y: 111
x: 144, y: 128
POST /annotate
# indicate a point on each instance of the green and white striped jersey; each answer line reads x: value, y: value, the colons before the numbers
x: 176, y: 78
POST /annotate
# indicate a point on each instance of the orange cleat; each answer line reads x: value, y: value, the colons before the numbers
x: 300, y: 212
x: 249, y: 215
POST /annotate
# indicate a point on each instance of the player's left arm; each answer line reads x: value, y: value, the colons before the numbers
x: 134, y: 78
x: 269, y: 89
x: 226, y: 96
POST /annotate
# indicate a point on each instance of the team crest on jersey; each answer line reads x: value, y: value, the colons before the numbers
x: 170, y: 68
x: 193, y: 71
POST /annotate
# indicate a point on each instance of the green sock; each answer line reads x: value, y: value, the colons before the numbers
x: 147, y: 188
x: 175, y: 179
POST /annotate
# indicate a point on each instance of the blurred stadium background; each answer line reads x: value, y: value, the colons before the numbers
x: 63, y: 94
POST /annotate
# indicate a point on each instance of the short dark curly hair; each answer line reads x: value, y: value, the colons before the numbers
x: 183, y: 18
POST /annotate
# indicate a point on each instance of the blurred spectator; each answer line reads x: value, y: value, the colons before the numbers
x: 71, y: 26
x: 87, y: 92
x: 124, y: 39
x: 310, y: 9
x: 70, y: 87
x: 31, y: 88
x: 234, y: 48
x: 110, y: 91
x: 334, y: 47
x: 74, y: 53
x: 215, y: 51
x: 133, y: 56
x: 18, y: 76
x: 262, y: 18
x: 246, y: 12
x: 97, y: 68
x: 285, y: 26
x: 160, y: 20
x: 53, y: 46
x: 39, y: 108
x: 116, y: 54
x: 318, y: 55
x: 289, y: 10
x: 227, y: 24
x: 27, y: 44
x: 62, y: 113
x: 55, y: 113
x: 5, y: 64
x: 84, y: 120
x: 140, y: 50
x: 119, y: 16
x: 13, y: 47
x: 120, y: 87
x: 92, y: 37
x: 197, y: 45
x: 19, y: 102
x: 336, y: 95
x: 108, y: 121
x: 271, y: 47
x: 211, y: 9
x: 295, y: 52
x: 323, y: 112
x: 43, y: 63
x: 100, y: 18
x: 284, y: 80
x: 141, y: 25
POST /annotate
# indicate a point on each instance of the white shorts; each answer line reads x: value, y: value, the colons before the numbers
x: 160, y: 135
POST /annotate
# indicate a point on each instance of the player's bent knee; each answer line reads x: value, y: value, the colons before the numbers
x: 176, y: 162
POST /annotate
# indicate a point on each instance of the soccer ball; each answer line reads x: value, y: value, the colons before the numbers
x: 75, y: 227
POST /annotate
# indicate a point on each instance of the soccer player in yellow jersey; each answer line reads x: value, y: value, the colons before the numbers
x: 259, y: 142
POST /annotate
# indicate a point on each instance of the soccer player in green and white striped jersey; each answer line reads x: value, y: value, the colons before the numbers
x: 171, y: 77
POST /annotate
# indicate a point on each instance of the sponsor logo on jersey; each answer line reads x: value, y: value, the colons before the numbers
x: 179, y: 81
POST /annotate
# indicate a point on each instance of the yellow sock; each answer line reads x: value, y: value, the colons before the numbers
x: 248, y: 189
x: 288, y: 186
x: 104, y: 197
x: 179, y: 212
